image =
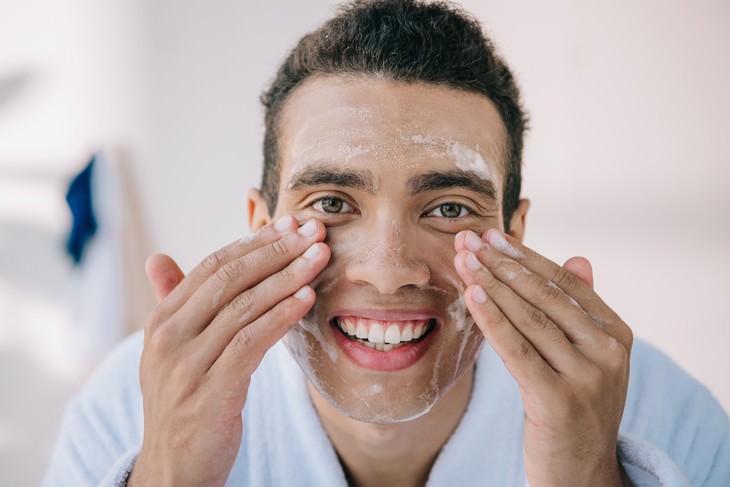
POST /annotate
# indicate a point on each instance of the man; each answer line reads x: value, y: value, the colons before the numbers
x: 387, y: 251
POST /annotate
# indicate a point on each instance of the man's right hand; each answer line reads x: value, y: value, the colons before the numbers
x: 205, y: 339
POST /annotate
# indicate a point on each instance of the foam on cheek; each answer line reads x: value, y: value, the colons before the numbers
x: 307, y: 325
x: 459, y: 313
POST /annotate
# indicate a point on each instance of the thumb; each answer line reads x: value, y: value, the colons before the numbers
x: 581, y: 268
x: 163, y: 273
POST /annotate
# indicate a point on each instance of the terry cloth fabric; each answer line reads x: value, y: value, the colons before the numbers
x: 83, y: 227
x: 674, y: 433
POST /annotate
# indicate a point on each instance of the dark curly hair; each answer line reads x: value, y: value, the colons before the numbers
x: 402, y: 40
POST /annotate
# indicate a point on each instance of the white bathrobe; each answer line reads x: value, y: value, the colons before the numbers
x: 673, y: 433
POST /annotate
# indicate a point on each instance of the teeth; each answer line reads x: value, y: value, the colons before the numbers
x: 376, y: 334
x: 418, y: 331
x: 380, y: 347
x: 407, y: 333
x: 350, y: 325
x: 392, y: 335
x: 362, y: 330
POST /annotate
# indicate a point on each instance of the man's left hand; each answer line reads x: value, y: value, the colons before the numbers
x: 567, y: 350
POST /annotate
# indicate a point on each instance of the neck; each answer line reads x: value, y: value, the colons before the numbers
x: 393, y: 454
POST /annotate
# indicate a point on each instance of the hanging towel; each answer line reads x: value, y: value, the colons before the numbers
x: 80, y: 202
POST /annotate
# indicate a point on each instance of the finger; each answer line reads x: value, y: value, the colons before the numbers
x: 250, y: 305
x: 241, y: 274
x: 522, y: 360
x: 542, y: 297
x: 581, y: 268
x: 578, y: 290
x: 244, y: 352
x: 548, y: 339
x: 212, y: 263
x: 164, y: 274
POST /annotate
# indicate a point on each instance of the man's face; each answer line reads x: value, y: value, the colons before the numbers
x: 394, y: 171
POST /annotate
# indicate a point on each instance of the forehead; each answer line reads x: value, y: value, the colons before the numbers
x: 392, y: 124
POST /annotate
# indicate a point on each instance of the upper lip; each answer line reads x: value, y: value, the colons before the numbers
x: 388, y: 314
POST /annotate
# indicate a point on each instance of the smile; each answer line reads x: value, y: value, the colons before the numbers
x: 383, y: 336
x: 385, y: 341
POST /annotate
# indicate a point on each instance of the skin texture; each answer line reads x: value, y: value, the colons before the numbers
x: 565, y: 348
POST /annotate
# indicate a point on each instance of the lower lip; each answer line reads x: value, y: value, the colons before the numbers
x: 396, y: 359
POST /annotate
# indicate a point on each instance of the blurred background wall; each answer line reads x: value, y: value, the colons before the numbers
x: 627, y: 162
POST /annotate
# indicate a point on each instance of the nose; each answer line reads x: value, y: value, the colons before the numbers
x: 387, y: 262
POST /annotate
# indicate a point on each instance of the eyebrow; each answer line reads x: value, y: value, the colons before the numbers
x: 362, y: 180
x: 326, y: 175
x: 435, y: 180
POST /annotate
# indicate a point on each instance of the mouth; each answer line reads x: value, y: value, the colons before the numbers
x: 384, y: 341
x: 383, y: 336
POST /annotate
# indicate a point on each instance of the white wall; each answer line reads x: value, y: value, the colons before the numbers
x: 626, y: 161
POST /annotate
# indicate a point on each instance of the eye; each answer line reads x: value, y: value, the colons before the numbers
x: 332, y: 204
x: 450, y: 210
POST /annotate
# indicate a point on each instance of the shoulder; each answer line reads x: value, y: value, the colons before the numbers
x: 103, y: 422
x: 669, y: 408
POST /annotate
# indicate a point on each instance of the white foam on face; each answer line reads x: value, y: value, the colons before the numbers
x: 313, y: 328
x: 465, y: 157
x: 312, y: 148
x: 458, y: 312
x: 468, y: 159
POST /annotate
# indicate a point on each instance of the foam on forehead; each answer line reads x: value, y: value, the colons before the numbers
x: 466, y: 158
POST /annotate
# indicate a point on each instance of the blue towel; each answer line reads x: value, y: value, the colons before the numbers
x: 81, y: 205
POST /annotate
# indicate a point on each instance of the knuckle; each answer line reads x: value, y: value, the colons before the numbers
x: 279, y: 247
x: 160, y: 340
x: 628, y: 337
x: 538, y: 319
x: 213, y: 261
x: 547, y: 291
x: 491, y: 285
x: 287, y: 275
x: 617, y: 356
x: 243, y: 302
x: 228, y: 272
x: 243, y: 342
x: 563, y: 278
x: 523, y: 350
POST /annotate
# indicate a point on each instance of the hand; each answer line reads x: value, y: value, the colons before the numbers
x: 205, y: 339
x: 567, y: 350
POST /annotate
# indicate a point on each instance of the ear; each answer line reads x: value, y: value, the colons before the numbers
x: 517, y: 223
x: 258, y: 211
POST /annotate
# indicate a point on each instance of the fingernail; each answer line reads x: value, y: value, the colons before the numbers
x: 497, y: 240
x: 473, y: 242
x: 308, y: 229
x: 283, y: 224
x: 478, y: 294
x: 472, y: 262
x: 312, y: 252
x: 303, y: 293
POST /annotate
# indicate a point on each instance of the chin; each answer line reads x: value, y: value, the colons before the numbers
x: 384, y: 367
